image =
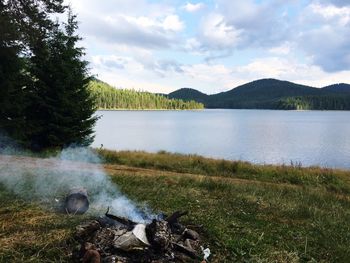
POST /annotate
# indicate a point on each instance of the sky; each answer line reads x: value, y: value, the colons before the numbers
x: 214, y: 45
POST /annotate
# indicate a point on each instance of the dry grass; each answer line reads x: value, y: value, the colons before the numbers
x: 30, y: 233
x: 246, y: 218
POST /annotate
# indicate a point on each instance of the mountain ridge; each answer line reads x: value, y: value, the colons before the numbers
x: 272, y: 94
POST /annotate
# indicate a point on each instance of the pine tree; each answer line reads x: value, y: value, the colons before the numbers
x: 23, y: 26
x: 64, y: 109
x: 12, y: 78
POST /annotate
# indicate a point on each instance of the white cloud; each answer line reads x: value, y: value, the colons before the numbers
x: 209, y: 78
x: 193, y: 45
x: 327, y: 40
x: 173, y: 23
x: 115, y: 64
x: 217, y: 34
x: 133, y: 75
x: 193, y: 7
x: 292, y: 70
x: 114, y: 7
x: 133, y: 22
x: 272, y: 67
x: 283, y: 49
x: 156, y: 46
x: 341, y: 15
x: 238, y: 25
x: 264, y: 23
x: 145, y: 32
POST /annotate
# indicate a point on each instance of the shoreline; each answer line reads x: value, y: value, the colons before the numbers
x: 183, y: 157
x: 222, y: 109
x: 150, y: 109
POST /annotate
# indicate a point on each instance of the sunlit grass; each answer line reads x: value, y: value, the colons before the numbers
x: 31, y: 233
x: 249, y: 213
x: 331, y: 179
x: 251, y: 222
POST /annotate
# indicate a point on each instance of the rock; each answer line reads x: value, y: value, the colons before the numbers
x: 186, y: 250
x: 92, y: 256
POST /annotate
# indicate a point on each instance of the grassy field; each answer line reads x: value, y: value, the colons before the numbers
x: 249, y: 213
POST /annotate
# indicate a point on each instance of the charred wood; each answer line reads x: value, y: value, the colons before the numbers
x: 119, y: 240
x: 127, y: 222
x: 172, y: 219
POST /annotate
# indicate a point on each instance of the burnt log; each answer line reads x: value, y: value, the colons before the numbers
x: 77, y: 201
x: 174, y: 224
x: 173, y: 219
x: 108, y: 222
x: 124, y: 221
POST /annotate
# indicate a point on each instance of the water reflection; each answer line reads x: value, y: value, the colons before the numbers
x: 273, y: 137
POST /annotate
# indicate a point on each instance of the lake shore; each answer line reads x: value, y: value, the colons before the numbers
x: 150, y: 109
x: 260, y: 213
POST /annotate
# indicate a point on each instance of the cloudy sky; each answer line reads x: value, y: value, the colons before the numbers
x: 215, y: 45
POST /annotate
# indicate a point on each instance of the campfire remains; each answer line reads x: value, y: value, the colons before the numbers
x: 113, y: 239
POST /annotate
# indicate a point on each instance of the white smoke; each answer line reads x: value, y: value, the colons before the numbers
x: 52, y: 178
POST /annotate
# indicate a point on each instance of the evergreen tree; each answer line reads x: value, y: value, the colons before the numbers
x: 12, y: 77
x: 43, y: 79
x: 23, y: 26
x: 62, y: 112
x: 108, y: 97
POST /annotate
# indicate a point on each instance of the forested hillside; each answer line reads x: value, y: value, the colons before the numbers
x: 340, y: 88
x: 108, y: 97
x: 188, y: 94
x: 325, y: 102
x: 273, y: 94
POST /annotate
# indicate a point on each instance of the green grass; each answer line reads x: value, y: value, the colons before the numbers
x: 249, y: 213
x: 331, y: 179
x: 253, y: 223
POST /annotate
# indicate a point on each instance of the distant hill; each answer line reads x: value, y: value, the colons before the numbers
x: 341, y: 87
x: 273, y: 94
x: 188, y: 94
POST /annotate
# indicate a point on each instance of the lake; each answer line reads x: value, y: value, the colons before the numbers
x: 258, y: 136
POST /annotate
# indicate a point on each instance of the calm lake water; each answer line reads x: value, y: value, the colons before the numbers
x: 259, y: 136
